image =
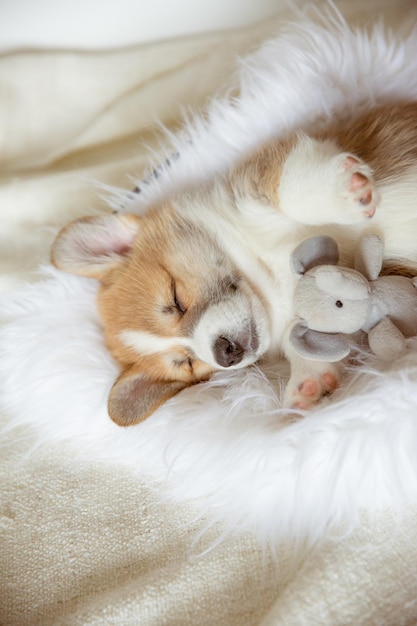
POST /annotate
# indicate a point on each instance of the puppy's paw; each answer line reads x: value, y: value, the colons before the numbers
x: 321, y: 185
x: 358, y: 194
x: 306, y: 389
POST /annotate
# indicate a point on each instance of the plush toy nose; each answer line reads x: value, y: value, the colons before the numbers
x: 228, y: 352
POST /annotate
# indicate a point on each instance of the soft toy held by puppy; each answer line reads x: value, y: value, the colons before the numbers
x: 334, y: 301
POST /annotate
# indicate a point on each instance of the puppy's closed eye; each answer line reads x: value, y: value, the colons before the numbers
x: 177, y: 303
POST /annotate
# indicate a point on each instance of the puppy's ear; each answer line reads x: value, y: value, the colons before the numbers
x: 91, y: 246
x: 134, y: 396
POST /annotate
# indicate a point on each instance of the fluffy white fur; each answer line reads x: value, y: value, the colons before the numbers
x: 227, y: 443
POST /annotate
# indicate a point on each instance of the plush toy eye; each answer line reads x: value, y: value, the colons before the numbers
x: 339, y: 304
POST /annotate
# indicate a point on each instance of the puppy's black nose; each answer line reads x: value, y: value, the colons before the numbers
x: 227, y: 352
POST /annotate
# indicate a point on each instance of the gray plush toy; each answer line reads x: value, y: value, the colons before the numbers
x: 332, y: 301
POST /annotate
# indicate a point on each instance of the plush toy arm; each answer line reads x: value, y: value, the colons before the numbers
x: 318, y: 346
x: 386, y: 340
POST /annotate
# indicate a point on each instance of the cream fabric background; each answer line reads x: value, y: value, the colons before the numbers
x: 98, y: 24
x: 87, y: 543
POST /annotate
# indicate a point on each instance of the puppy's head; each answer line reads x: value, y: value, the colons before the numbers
x: 173, y: 305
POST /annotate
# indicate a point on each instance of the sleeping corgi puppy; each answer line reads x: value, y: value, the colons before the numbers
x: 203, y: 282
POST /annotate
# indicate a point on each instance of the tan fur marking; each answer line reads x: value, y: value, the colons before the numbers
x: 259, y: 175
x: 137, y: 294
x: 399, y: 268
x: 385, y: 138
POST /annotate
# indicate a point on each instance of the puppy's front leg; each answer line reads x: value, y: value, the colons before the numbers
x: 310, y: 180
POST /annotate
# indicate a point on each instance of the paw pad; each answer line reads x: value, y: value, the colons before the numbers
x: 311, y: 390
x: 360, y: 184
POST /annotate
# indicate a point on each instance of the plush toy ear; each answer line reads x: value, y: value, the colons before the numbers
x: 318, y: 346
x: 134, y: 396
x: 321, y: 250
x: 91, y: 246
x: 341, y: 282
x: 369, y: 256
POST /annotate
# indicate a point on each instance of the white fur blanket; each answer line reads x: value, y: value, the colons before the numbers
x: 226, y: 446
